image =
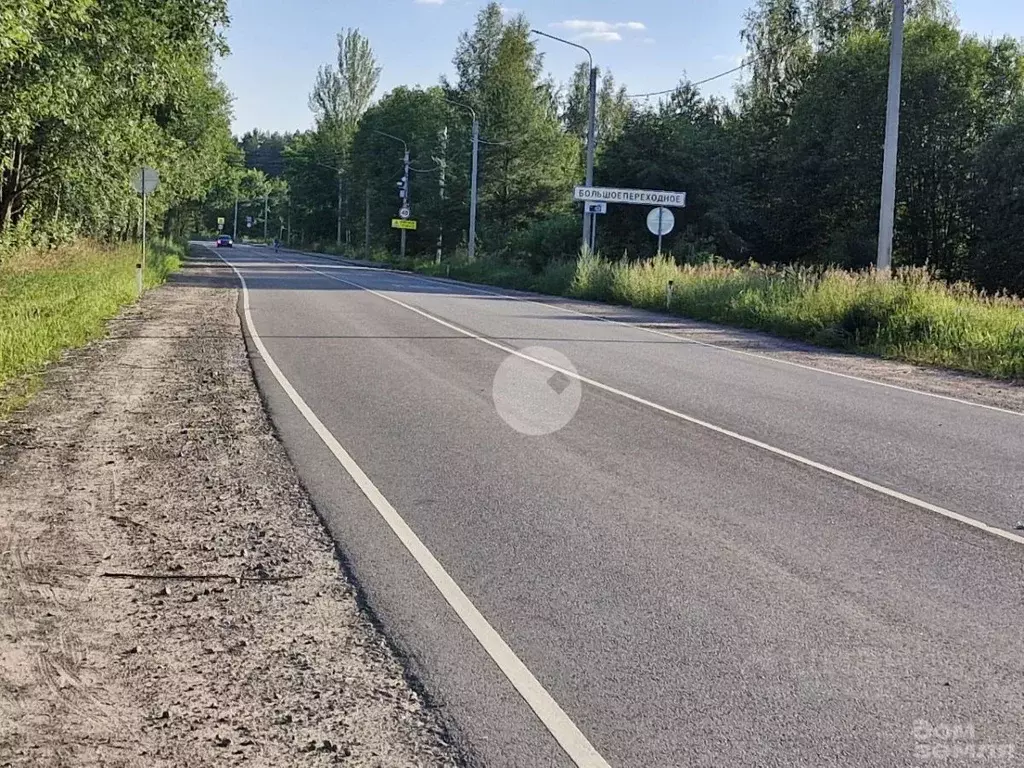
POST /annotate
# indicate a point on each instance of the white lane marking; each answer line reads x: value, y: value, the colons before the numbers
x: 682, y: 339
x: 885, y: 491
x: 554, y: 718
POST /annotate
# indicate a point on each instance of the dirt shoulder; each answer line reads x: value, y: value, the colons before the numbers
x: 167, y: 594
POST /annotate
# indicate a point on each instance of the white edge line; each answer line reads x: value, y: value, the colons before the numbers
x: 885, y: 491
x: 683, y: 339
x: 554, y: 718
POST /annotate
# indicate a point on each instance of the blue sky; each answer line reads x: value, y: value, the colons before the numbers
x: 277, y: 45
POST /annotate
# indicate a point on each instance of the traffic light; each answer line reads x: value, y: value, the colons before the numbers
x: 403, y: 188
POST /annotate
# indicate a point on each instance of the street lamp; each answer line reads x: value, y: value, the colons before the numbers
x: 406, y: 191
x: 588, y: 233
x: 473, y: 187
x: 887, y: 214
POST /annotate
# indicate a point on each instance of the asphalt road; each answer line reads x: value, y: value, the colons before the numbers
x: 707, y: 560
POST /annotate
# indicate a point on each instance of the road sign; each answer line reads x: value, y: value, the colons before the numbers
x: 145, y: 180
x: 660, y: 221
x: 220, y: 222
x: 403, y: 224
x: 404, y: 212
x: 248, y: 221
x: 595, y: 207
x: 630, y: 196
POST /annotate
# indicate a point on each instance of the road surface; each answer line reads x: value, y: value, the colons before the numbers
x: 600, y: 546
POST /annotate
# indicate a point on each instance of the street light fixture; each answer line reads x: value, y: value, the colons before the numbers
x: 473, y: 179
x: 588, y: 231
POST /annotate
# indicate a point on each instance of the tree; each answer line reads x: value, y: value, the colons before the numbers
x: 997, y: 197
x: 341, y: 96
x: 529, y: 164
x: 88, y: 92
x: 612, y: 106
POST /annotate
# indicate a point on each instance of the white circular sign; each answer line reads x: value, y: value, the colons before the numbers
x: 660, y: 221
x: 404, y: 212
x: 145, y: 180
x: 532, y: 398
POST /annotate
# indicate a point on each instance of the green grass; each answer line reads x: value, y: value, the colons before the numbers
x: 54, y: 300
x: 912, y: 316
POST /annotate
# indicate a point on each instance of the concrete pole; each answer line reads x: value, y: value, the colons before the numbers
x: 887, y: 215
x: 266, y: 214
x: 588, y: 231
x: 444, y: 166
x: 473, y: 190
x: 339, y: 210
x: 234, y: 229
x: 408, y: 195
x: 366, y: 234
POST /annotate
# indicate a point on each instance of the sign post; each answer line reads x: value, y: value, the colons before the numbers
x: 660, y: 222
x: 403, y: 224
x: 145, y: 181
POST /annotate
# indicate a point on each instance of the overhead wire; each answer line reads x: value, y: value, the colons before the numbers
x: 747, y: 62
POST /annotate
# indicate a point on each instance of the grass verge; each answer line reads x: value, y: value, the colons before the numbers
x: 912, y: 317
x: 54, y: 300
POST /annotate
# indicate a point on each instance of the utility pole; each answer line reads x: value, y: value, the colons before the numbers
x: 473, y: 194
x: 266, y: 214
x: 404, y: 186
x: 588, y: 232
x: 887, y: 215
x: 473, y: 178
x: 443, y: 165
x: 591, y: 231
x: 366, y: 234
x: 406, y: 194
x: 339, y: 206
x: 234, y: 229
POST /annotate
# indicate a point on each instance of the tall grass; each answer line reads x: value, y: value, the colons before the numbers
x: 53, y: 300
x: 911, y: 316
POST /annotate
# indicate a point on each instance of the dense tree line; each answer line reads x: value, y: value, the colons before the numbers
x: 787, y: 171
x: 89, y: 91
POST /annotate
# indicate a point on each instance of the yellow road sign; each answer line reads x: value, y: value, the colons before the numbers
x: 220, y: 221
x: 403, y: 224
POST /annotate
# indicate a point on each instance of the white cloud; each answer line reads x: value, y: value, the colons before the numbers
x: 429, y: 2
x: 600, y: 37
x: 599, y: 31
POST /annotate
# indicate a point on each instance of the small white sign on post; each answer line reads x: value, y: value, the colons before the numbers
x: 404, y: 212
x: 145, y: 180
x: 630, y: 196
x: 595, y: 207
x: 660, y: 222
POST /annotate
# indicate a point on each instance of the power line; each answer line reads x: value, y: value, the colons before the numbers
x: 747, y: 62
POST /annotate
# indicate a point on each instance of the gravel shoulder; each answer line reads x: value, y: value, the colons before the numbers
x: 168, y: 596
